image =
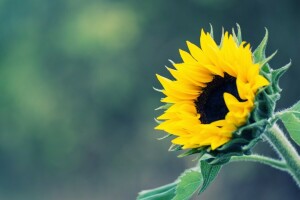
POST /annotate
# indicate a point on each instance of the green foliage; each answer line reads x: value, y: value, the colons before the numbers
x: 189, y: 183
x: 291, y: 120
x: 209, y: 173
x: 161, y: 193
x: 181, y: 189
x: 186, y: 185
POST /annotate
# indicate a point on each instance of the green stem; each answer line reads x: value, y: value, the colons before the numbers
x: 281, y: 165
x: 285, y: 150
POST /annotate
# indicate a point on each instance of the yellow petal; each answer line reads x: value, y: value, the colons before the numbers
x: 186, y: 57
x: 260, y: 81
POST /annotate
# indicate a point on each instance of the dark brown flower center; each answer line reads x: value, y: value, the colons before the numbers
x: 210, y: 104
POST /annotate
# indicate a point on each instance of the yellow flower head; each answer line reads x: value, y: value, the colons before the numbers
x: 212, y: 94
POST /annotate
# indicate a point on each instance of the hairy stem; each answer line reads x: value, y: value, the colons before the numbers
x: 285, y: 150
x: 281, y: 165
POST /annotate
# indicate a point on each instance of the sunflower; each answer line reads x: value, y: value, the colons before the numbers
x: 212, y: 94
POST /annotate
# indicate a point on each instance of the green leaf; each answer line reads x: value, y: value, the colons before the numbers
x: 209, y: 173
x: 296, y: 108
x: 200, y: 151
x: 292, y: 124
x: 291, y: 121
x: 160, y: 193
x: 189, y: 183
x: 186, y: 185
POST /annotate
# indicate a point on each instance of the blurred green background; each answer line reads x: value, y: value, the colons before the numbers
x: 77, y: 104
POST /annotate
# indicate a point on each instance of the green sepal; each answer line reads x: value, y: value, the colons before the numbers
x: 260, y: 52
x: 164, y: 107
x: 175, y: 147
x: 221, y: 157
x: 276, y: 75
x: 264, y: 63
x: 231, y: 144
x: 157, y: 121
x: 191, y: 152
x: 237, y: 37
x: 157, y: 90
x: 222, y: 38
x: 211, y: 31
x: 164, y: 137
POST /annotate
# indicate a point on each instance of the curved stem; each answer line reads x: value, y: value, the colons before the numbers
x: 285, y: 150
x: 281, y: 165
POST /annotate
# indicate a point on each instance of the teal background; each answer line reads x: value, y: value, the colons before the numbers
x: 76, y: 97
